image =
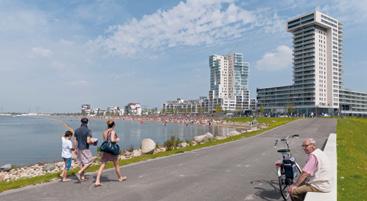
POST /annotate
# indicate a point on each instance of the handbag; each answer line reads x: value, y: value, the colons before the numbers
x: 110, y: 147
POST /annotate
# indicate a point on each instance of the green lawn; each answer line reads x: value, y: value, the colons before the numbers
x: 271, y: 122
x: 266, y: 120
x: 352, y: 159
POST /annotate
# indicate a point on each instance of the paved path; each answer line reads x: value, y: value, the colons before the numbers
x: 241, y: 170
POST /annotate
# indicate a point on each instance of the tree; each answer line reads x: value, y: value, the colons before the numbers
x: 291, y: 109
x: 261, y: 110
x: 218, y: 108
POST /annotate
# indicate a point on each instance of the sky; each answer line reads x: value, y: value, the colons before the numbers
x: 57, y: 55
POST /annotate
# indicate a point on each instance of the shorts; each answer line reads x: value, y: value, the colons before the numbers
x: 67, y: 162
x: 85, y: 157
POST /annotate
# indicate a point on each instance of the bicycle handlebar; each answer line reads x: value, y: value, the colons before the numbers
x: 285, y: 139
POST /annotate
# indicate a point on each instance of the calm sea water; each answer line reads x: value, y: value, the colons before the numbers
x: 27, y: 140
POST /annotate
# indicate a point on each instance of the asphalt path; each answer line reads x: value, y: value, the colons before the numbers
x: 241, y: 170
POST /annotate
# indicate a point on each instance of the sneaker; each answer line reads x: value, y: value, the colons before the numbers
x: 65, y: 180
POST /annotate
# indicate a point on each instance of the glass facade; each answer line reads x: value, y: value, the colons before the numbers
x: 229, y: 82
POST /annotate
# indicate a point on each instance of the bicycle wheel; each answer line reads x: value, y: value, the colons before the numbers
x: 283, y: 187
x: 284, y: 183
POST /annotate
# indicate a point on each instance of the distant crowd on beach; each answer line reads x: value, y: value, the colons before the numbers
x: 166, y: 119
x: 180, y: 119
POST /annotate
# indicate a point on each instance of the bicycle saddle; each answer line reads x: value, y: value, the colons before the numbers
x: 283, y: 150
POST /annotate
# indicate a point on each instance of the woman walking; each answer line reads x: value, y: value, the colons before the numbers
x: 109, y: 134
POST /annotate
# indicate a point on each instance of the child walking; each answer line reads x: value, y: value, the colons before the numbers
x: 67, y: 148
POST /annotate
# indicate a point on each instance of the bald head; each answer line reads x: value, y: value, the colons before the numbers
x: 309, y: 145
x: 309, y: 141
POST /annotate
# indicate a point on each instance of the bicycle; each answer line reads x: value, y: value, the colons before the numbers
x: 287, y: 168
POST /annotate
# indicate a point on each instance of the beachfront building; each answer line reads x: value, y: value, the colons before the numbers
x: 228, y: 83
x: 253, y: 105
x: 114, y: 111
x: 133, y: 109
x: 181, y: 106
x: 150, y: 111
x: 353, y: 103
x: 99, y: 112
x: 86, y: 109
x: 317, y: 68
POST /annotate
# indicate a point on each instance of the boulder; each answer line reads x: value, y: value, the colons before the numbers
x: 253, y: 129
x: 220, y: 137
x: 160, y: 149
x: 2, y: 177
x: 136, y: 153
x: 6, y: 167
x: 127, y: 154
x: 202, y: 138
x: 147, y: 146
x: 49, y: 167
x: 234, y: 132
x: 262, y: 126
x: 183, y: 144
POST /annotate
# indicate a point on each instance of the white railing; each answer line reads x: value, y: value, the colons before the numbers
x: 330, y: 151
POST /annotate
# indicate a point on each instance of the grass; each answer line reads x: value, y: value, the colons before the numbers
x: 271, y: 122
x: 266, y: 120
x: 352, y: 159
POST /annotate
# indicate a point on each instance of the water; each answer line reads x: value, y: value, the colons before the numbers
x: 28, y: 140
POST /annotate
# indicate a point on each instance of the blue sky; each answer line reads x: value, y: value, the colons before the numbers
x: 57, y: 55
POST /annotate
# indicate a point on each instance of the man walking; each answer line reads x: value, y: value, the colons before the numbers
x: 83, y: 138
x: 315, y: 174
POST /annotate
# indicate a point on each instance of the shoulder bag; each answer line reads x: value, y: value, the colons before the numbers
x: 110, y: 147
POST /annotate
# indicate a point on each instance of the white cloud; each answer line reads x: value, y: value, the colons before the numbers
x: 21, y: 20
x: 278, y: 59
x: 79, y: 83
x: 40, y: 52
x: 190, y: 23
x: 123, y: 76
x: 350, y: 11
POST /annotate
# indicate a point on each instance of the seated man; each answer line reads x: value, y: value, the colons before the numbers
x: 315, y: 174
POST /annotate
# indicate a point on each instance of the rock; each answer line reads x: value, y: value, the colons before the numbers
x: 183, y: 144
x: 232, y: 133
x: 262, y: 126
x: 60, y: 164
x: 220, y: 137
x: 147, y: 146
x: 6, y: 167
x: 160, y: 149
x: 2, y: 177
x: 136, y: 153
x: 202, y: 138
x: 253, y: 129
x: 127, y: 154
x: 49, y: 167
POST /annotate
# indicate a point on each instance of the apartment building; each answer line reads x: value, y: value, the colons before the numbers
x: 228, y: 82
x: 317, y: 67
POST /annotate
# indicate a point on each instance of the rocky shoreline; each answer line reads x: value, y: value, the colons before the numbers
x: 7, y: 173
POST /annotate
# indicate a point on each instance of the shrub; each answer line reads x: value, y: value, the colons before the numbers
x: 172, y: 143
x: 130, y: 148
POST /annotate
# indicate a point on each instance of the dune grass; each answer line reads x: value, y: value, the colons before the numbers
x: 352, y: 159
x: 271, y: 122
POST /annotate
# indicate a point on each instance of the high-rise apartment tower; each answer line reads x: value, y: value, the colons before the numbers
x: 317, y: 60
x: 228, y: 82
x: 317, y: 68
